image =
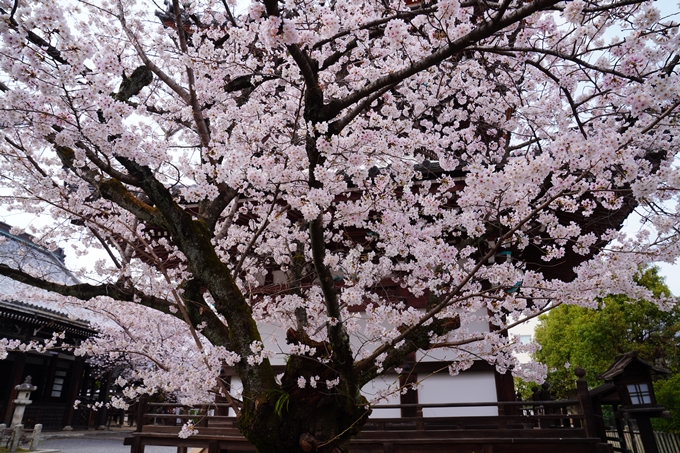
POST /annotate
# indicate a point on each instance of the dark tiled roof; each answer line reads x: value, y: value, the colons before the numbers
x: 27, y: 239
x: 626, y: 359
x: 34, y: 314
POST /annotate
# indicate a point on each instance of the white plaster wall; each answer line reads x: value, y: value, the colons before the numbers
x: 274, y: 339
x: 467, y: 387
x: 379, y: 386
x: 471, y: 327
x: 371, y: 391
x: 236, y: 389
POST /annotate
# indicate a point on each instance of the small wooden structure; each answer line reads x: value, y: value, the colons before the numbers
x: 629, y: 390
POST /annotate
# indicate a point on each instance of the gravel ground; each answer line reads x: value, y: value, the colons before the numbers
x: 95, y: 444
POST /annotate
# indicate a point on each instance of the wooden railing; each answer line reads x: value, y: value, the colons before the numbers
x: 528, y: 415
x: 565, y: 426
x: 173, y: 414
x: 511, y: 415
x: 531, y: 426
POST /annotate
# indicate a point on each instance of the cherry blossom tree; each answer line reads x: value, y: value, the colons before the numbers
x: 372, y: 178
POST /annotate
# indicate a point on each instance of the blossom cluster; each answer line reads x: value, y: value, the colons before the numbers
x: 389, y: 174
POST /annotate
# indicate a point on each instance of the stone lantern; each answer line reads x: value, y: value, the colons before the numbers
x: 23, y: 394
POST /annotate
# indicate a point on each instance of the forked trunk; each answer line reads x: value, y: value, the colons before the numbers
x: 303, y: 420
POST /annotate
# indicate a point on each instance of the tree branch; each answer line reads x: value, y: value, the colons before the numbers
x: 111, y: 189
x: 338, y: 125
x: 85, y: 291
x: 194, y: 240
x: 174, y: 86
x: 482, y: 31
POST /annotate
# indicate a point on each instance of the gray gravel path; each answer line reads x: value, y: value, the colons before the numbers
x: 99, y: 444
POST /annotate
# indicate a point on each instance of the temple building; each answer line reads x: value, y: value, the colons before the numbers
x: 61, y: 377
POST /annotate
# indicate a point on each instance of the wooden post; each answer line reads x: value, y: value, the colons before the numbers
x: 599, y: 421
x: 406, y: 378
x: 420, y: 423
x: 585, y: 403
x: 141, y: 410
x: 76, y: 380
x: 223, y: 410
x: 17, y: 374
x: 102, y: 415
x: 619, y: 428
x: 505, y: 390
x: 647, y: 434
x: 631, y: 431
x: 137, y: 445
x: 203, y: 421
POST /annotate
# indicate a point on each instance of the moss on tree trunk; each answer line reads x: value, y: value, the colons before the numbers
x: 292, y: 419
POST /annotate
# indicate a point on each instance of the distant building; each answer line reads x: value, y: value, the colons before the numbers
x: 60, y: 377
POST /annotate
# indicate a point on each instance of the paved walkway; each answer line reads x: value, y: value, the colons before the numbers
x: 110, y: 441
x: 95, y: 445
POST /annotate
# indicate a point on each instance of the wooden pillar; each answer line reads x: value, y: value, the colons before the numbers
x: 75, y: 382
x: 49, y: 382
x: 647, y: 434
x: 17, y: 378
x: 633, y: 442
x: 104, y: 399
x: 408, y: 376
x: 505, y: 384
x: 141, y: 410
x: 223, y: 410
x: 619, y: 427
x: 585, y: 403
x: 505, y: 391
x: 137, y: 445
x: 599, y: 421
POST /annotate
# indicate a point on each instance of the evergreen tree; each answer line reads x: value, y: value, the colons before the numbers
x: 573, y: 336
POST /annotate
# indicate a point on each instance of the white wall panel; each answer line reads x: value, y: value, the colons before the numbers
x: 377, y: 386
x: 467, y: 387
x: 236, y: 390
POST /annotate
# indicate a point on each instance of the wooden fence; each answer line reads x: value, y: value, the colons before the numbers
x: 520, y: 427
x: 667, y: 442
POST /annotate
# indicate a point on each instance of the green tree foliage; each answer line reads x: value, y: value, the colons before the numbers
x: 668, y: 394
x: 572, y: 336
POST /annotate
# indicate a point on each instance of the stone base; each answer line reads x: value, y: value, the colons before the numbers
x: 67, y: 428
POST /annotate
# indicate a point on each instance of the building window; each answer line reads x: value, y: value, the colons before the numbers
x: 58, y: 385
x: 525, y: 339
x: 639, y: 393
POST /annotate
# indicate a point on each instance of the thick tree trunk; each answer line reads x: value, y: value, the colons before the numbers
x: 321, y: 422
x: 302, y: 420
